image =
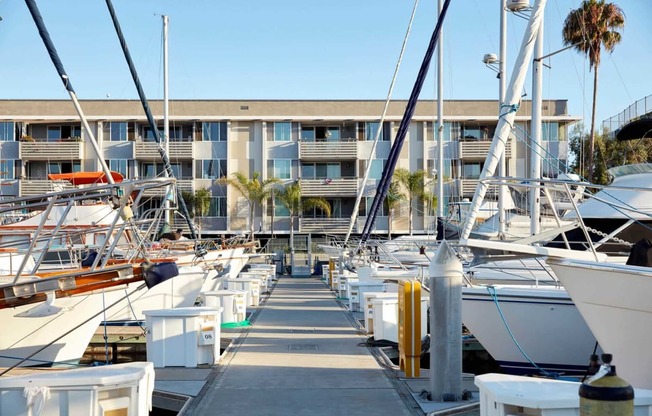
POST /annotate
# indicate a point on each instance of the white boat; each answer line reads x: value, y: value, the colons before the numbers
x: 614, y: 299
x: 49, y: 313
x: 529, y: 330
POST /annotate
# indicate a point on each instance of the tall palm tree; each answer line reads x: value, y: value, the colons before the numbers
x: 591, y: 27
x: 392, y: 201
x: 253, y: 190
x: 414, y: 185
x: 290, y: 197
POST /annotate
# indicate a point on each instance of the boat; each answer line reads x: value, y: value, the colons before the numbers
x: 51, y: 311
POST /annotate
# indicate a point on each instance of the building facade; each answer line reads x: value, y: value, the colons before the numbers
x: 325, y: 144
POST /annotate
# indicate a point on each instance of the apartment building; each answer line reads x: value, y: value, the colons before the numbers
x: 325, y: 144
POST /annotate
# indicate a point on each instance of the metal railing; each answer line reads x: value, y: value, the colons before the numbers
x: 342, y: 150
x: 329, y: 187
x: 39, y: 150
x: 639, y: 109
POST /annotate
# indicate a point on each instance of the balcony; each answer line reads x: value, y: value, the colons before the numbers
x: 330, y: 151
x: 176, y: 150
x: 329, y: 187
x: 183, y: 184
x: 478, y: 149
x: 467, y: 187
x: 37, y: 187
x: 325, y: 225
x: 51, y: 151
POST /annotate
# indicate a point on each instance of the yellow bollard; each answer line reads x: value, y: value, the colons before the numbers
x: 331, y: 268
x: 409, y: 327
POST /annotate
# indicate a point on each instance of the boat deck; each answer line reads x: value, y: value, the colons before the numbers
x: 304, y: 354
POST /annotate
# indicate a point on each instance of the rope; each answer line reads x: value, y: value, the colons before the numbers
x: 492, y: 293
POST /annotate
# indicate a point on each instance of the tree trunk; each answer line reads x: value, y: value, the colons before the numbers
x: 252, y: 216
x: 292, y: 244
x: 410, y: 216
x: 389, y: 224
x: 592, y: 132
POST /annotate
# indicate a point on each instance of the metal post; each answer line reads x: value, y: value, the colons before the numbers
x: 445, y: 325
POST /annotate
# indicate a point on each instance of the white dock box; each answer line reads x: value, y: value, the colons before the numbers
x: 502, y: 394
x: 260, y: 275
x: 119, y: 389
x: 369, y: 307
x: 232, y: 302
x: 252, y: 286
x: 359, y: 288
x: 183, y: 337
x: 385, y: 317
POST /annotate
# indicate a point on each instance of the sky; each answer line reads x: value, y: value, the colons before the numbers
x: 291, y: 49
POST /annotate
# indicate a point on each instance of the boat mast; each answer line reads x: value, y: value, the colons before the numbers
x: 507, y: 114
x: 440, y: 125
x: 54, y: 56
x: 166, y: 114
x: 150, y: 117
x: 535, y: 135
x: 502, y: 82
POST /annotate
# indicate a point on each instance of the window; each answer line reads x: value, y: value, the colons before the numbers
x: 54, y: 133
x: 281, y: 168
x: 282, y: 131
x: 148, y: 133
x: 7, y: 169
x: 320, y: 133
x: 550, y: 131
x: 280, y: 210
x: 371, y: 130
x: 7, y: 131
x: 153, y: 170
x: 321, y: 170
x: 366, y: 204
x: 213, y: 168
x: 471, y: 170
x: 115, y: 131
x: 377, y: 167
x: 451, y: 131
x: 64, y: 167
x: 308, y: 134
x: 118, y: 165
x: 217, y: 207
x: 214, y: 131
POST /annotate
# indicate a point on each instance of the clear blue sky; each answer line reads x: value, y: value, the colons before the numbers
x: 291, y: 49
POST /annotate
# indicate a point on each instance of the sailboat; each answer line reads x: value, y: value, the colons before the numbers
x: 51, y: 310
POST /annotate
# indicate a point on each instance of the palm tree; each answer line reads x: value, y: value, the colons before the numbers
x: 591, y: 27
x: 253, y: 190
x: 392, y: 201
x: 290, y: 197
x: 413, y: 182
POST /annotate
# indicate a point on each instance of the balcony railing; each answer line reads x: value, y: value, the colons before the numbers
x: 328, y: 150
x: 176, y: 150
x: 36, y: 187
x: 478, y: 149
x: 329, y: 187
x: 51, y: 151
x: 183, y: 184
x: 324, y: 225
x: 467, y: 187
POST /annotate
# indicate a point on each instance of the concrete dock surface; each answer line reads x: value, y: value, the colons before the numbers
x: 304, y: 354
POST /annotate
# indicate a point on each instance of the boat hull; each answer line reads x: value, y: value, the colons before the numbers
x: 80, y: 315
x: 544, y: 322
x: 615, y: 301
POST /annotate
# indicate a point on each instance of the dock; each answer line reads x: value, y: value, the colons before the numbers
x: 304, y: 354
